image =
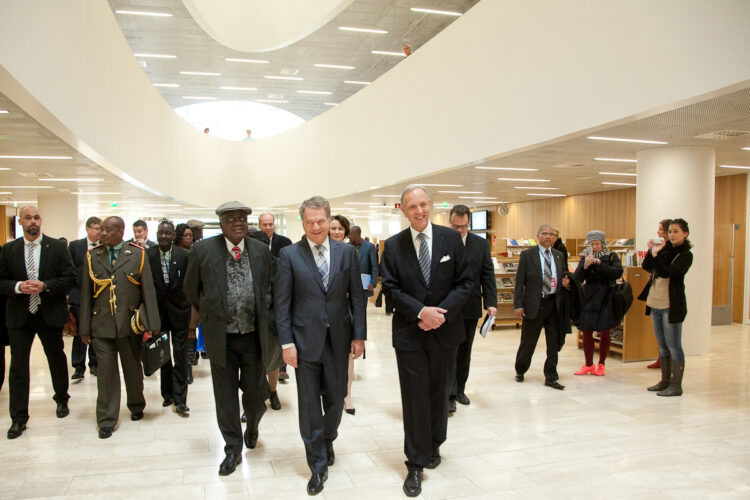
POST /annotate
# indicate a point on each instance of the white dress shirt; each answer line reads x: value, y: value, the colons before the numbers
x: 231, y: 245
x: 542, y: 251
x: 428, y: 233
x: 90, y: 244
x: 37, y: 254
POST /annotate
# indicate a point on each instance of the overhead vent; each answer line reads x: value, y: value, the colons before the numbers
x: 723, y: 135
x: 569, y: 164
x: 289, y: 71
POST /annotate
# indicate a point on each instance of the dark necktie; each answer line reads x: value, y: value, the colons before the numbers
x: 34, y: 299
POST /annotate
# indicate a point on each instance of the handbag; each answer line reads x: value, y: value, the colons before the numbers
x: 155, y: 353
x: 622, y: 299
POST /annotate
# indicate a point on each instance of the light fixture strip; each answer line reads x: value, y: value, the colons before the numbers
x: 477, y: 197
x: 544, y: 194
x: 513, y: 169
x: 746, y: 149
x: 143, y: 13
x: 515, y: 179
x: 619, y: 183
x: 250, y: 61
x: 156, y: 56
x: 387, y: 195
x: 3, y: 111
x: 94, y: 193
x: 435, y: 11
x: 621, y: 160
x: 25, y: 187
x: 172, y: 85
x: 330, y: 104
x: 316, y: 92
x: 742, y: 167
x: 461, y: 192
x: 333, y: 66
x: 239, y: 88
x: 35, y: 157
x: 356, y: 82
x: 619, y: 139
x: 626, y: 174
x: 72, y: 179
x: 363, y: 30
x: 387, y: 53
x: 271, y: 100
x: 533, y: 187
x: 200, y: 73
x: 276, y: 77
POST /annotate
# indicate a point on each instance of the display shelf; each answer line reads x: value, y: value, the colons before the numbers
x: 505, y: 278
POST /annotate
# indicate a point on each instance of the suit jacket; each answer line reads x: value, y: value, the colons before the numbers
x: 277, y: 243
x: 206, y: 288
x: 174, y: 306
x: 479, y: 262
x: 368, y: 262
x: 306, y: 312
x: 55, y: 270
x: 4, y: 339
x: 96, y: 317
x: 77, y: 250
x: 528, y: 291
x: 449, y: 287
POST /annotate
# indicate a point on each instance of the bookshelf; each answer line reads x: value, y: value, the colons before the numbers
x: 505, y: 278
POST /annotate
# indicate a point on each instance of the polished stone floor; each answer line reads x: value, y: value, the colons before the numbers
x: 602, y: 437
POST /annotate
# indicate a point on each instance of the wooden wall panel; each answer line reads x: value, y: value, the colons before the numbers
x: 730, y: 206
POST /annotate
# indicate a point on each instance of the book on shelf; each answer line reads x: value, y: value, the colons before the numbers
x: 513, y: 243
x: 505, y: 296
x: 495, y: 263
x: 532, y: 242
x: 498, y: 282
x: 510, y: 267
x: 508, y: 282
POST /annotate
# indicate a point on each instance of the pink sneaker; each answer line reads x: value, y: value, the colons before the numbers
x: 586, y: 369
x: 600, y: 370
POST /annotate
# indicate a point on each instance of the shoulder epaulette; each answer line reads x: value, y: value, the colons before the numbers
x: 97, y: 246
x: 136, y: 245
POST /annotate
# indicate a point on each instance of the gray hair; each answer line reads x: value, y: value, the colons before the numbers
x: 315, y: 203
x: 412, y: 187
x: 543, y: 227
x: 266, y: 213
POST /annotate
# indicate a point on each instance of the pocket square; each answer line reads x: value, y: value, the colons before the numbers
x: 445, y: 258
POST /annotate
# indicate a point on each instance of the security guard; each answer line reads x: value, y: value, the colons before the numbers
x: 116, y: 284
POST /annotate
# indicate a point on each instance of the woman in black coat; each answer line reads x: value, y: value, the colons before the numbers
x: 597, y: 271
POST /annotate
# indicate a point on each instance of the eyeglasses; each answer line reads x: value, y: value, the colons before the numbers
x: 232, y: 220
x: 546, y: 234
x: 465, y: 226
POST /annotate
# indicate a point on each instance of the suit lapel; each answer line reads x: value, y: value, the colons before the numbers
x: 101, y: 255
x: 219, y: 265
x: 437, y: 251
x: 255, y: 269
x: 307, y: 256
x: 336, y: 257
x: 537, y: 260
x: 44, y: 256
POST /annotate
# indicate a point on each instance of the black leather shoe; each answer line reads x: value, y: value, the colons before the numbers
x: 182, y: 410
x: 93, y: 370
x: 77, y: 375
x: 461, y: 398
x: 275, y: 403
x: 331, y: 454
x: 554, y: 384
x: 413, y: 483
x: 105, y: 432
x: 167, y: 402
x: 435, y: 459
x: 519, y: 377
x: 451, y: 405
x: 136, y: 415
x: 351, y: 411
x: 16, y: 430
x: 62, y: 410
x: 229, y: 464
x: 315, y: 484
x: 251, y: 438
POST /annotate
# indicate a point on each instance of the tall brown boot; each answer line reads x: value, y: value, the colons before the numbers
x: 664, y: 383
x: 675, y: 383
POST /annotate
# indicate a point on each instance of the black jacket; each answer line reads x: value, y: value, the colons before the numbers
x: 482, y: 272
x: 277, y: 243
x: 598, y: 312
x: 673, y: 263
x: 174, y: 306
x: 570, y: 308
x: 77, y: 250
x: 528, y: 291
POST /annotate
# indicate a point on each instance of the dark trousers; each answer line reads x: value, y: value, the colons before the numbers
x: 324, y: 379
x: 174, y: 378
x: 108, y: 378
x: 78, y: 352
x: 2, y: 366
x: 243, y: 369
x: 425, y: 377
x: 21, y: 340
x: 548, y: 318
x: 463, y: 358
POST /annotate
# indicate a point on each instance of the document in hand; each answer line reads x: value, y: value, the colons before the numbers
x: 366, y: 278
x: 486, y: 325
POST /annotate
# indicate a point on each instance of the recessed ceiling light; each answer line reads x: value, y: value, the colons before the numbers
x: 355, y: 82
x: 173, y: 85
x: 32, y: 157
x: 509, y: 168
x: 515, y: 179
x: 532, y: 187
x: 619, y: 183
x: 19, y: 201
x: 4, y: 112
x: 200, y: 73
x: 618, y: 139
x: 276, y: 77
x: 333, y: 66
x: 6, y: 192
x: 544, y: 194
x: 330, y: 104
x: 461, y: 192
x: 627, y: 174
x: 477, y: 197
x: 198, y: 98
x: 238, y: 88
x: 387, y: 195
x: 743, y: 167
x: 143, y: 13
x: 156, y: 56
x: 251, y: 61
x: 746, y: 149
x: 271, y: 100
x: 433, y: 11
x: 25, y: 187
x: 388, y: 53
x: 442, y: 185
x: 318, y: 92
x: 72, y: 179
x: 363, y: 30
x: 93, y: 193
x: 6, y: 168
x: 624, y: 160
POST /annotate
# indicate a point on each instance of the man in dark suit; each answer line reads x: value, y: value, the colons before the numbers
x: 116, y: 282
x: 78, y: 249
x: 484, y: 287
x: 320, y: 318
x: 228, y: 280
x: 425, y: 273
x: 140, y: 235
x: 35, y: 273
x: 277, y: 242
x: 537, y: 296
x: 368, y: 257
x: 168, y: 265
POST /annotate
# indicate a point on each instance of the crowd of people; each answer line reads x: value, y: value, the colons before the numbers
x: 258, y: 303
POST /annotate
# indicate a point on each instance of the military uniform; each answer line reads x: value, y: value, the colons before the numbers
x: 110, y: 294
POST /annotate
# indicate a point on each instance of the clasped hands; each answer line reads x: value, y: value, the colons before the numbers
x: 431, y: 318
x: 31, y: 287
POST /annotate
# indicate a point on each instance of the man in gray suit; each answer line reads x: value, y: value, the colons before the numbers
x: 320, y: 318
x: 228, y: 281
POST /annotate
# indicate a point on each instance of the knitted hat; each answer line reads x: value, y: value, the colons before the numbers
x: 595, y: 235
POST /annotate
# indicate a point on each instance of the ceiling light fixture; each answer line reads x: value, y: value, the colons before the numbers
x: 515, y: 179
x: 94, y: 193
x: 618, y: 139
x: 333, y: 66
x: 488, y: 202
x: 6, y: 168
x: 387, y: 195
x: 330, y: 104
x: 477, y: 197
x: 434, y: 11
x: 198, y: 98
x: 239, y: 88
x: 388, y: 53
x: 157, y: 56
x: 6, y: 192
x: 545, y: 194
x: 72, y: 179
x: 532, y: 187
x: 627, y: 174
x: 275, y: 77
x: 251, y: 61
x: 355, y: 82
x: 143, y: 13
x: 5, y: 112
x: 746, y: 149
x: 200, y: 73
x: 619, y: 184
x: 363, y: 30
x: 317, y: 92
x: 35, y: 157
x: 271, y: 100
x: 742, y: 167
x: 623, y: 160
x: 25, y: 187
x: 509, y: 168
x: 461, y: 192
x: 19, y: 201
x: 173, y: 85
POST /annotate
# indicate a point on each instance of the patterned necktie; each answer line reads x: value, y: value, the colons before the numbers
x: 320, y: 261
x: 112, y: 257
x: 547, y: 280
x: 34, y: 299
x: 237, y: 253
x: 424, y: 257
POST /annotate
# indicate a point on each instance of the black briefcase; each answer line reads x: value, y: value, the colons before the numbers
x: 155, y: 353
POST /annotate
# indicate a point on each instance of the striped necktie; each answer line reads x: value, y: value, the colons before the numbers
x: 547, y: 281
x: 34, y: 299
x: 424, y: 257
x: 320, y: 261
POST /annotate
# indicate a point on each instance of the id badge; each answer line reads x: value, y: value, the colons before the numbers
x: 554, y: 282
